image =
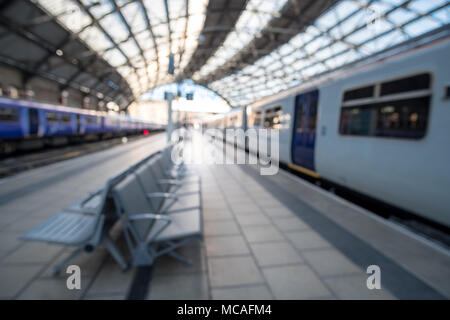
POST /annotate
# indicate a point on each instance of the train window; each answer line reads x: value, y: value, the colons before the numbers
x: 257, y: 118
x: 272, y: 118
x: 406, y: 119
x: 91, y: 120
x: 313, y: 115
x: 396, y: 117
x: 9, y: 115
x: 233, y: 122
x: 417, y: 82
x: 360, y: 93
x: 447, y: 92
x: 299, y: 121
x: 66, y: 118
x: 52, y: 118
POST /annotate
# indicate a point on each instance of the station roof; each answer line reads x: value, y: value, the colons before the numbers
x: 39, y: 46
x: 241, y: 49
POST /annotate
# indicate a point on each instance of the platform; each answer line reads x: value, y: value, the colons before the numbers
x: 265, y: 237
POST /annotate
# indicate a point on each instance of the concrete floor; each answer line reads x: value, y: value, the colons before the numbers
x: 265, y: 237
x: 29, y: 198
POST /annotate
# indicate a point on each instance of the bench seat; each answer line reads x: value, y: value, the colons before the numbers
x: 66, y: 228
x: 187, y: 201
x: 143, y: 228
x: 180, y: 196
x: 183, y: 224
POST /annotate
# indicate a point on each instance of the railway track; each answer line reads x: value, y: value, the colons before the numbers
x: 26, y: 161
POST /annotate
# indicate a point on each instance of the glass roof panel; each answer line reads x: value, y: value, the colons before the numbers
x: 129, y: 48
x: 115, y: 27
x: 156, y: 11
x: 68, y: 13
x: 135, y: 17
x: 138, y: 36
x: 99, y: 8
x: 256, y: 15
x: 349, y: 31
x: 95, y: 38
x: 114, y: 58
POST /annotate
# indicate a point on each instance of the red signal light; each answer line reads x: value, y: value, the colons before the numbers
x: 146, y: 132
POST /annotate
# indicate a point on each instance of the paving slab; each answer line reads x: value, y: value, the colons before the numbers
x: 275, y: 253
x: 112, y: 280
x: 277, y: 211
x: 13, y: 279
x: 180, y: 287
x: 52, y: 289
x: 89, y: 263
x: 307, y: 239
x: 8, y: 242
x: 330, y: 262
x: 355, y: 288
x: 257, y: 292
x: 262, y: 233
x: 223, y: 214
x: 290, y: 224
x: 295, y: 282
x: 226, y: 246
x: 232, y: 271
x: 32, y: 253
x: 220, y: 228
x: 253, y: 219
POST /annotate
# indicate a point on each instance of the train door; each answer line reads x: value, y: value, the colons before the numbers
x: 78, y: 124
x: 304, y: 137
x: 33, y: 121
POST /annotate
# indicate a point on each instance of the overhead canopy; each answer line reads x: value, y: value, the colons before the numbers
x: 242, y: 49
x: 38, y: 46
x: 348, y: 32
x: 135, y: 37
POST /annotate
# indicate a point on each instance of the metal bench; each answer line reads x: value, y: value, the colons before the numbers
x: 84, y: 224
x: 170, y: 169
x: 83, y: 228
x: 149, y: 235
x: 170, y: 183
x: 162, y: 201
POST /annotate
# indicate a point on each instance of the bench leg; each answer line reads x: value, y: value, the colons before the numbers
x: 169, y: 250
x: 180, y: 258
x: 115, y: 252
x: 59, y: 266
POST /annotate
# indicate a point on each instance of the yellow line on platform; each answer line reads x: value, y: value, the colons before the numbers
x: 304, y: 170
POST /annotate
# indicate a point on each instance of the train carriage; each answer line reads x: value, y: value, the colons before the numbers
x: 380, y: 129
x: 28, y: 125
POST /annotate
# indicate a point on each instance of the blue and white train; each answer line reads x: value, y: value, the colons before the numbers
x: 381, y: 129
x: 30, y: 125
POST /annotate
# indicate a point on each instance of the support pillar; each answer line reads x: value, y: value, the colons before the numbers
x: 169, y: 116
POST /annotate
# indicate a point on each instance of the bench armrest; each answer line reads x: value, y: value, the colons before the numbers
x: 165, y: 195
x: 91, y: 195
x: 170, y: 181
x: 151, y: 216
x: 176, y: 167
x: 90, y: 211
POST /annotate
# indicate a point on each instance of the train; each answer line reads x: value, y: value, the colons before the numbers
x: 27, y: 125
x: 379, y: 128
